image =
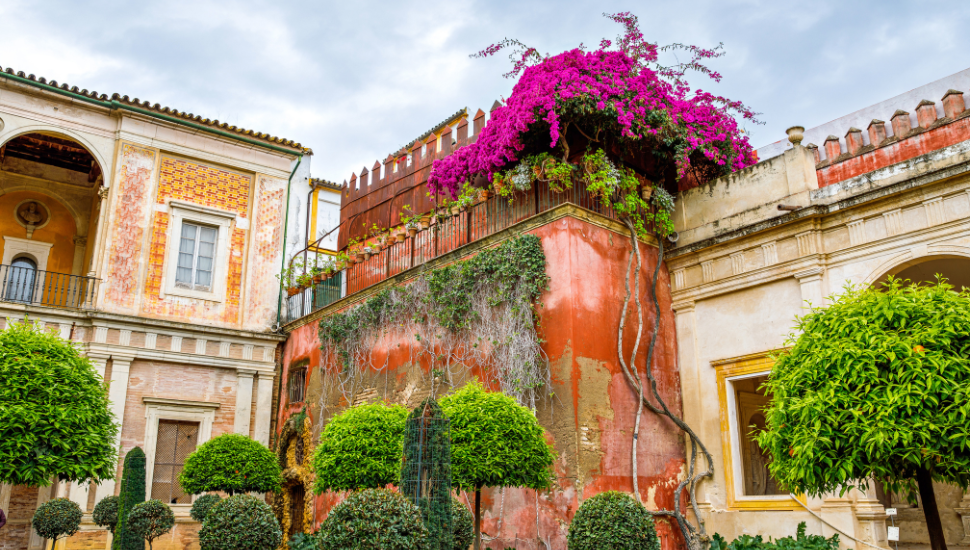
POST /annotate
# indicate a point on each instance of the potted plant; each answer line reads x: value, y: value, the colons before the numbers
x: 399, y: 235
x: 288, y: 278
x: 317, y: 274
x: 305, y: 280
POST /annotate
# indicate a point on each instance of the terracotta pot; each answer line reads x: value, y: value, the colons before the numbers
x: 412, y: 231
x: 399, y: 238
x: 455, y: 210
x: 647, y: 192
x: 425, y: 223
x: 318, y: 278
x: 293, y: 291
x: 359, y: 257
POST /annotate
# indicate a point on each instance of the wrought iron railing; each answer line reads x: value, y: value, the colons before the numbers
x: 448, y: 233
x: 25, y: 285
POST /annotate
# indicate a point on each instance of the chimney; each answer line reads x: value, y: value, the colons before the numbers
x: 877, y: 132
x: 853, y: 140
x: 832, y: 148
x: 901, y: 124
x: 925, y: 113
x: 953, y: 103
x: 814, y: 149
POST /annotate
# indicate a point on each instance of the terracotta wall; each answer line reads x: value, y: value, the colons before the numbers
x: 591, y: 421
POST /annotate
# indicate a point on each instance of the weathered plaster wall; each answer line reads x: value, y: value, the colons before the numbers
x: 591, y: 421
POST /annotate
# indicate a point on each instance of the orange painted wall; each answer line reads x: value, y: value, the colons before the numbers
x: 60, y: 230
x: 591, y: 426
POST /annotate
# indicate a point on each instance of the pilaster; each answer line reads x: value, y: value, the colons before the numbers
x: 264, y: 405
x: 244, y: 401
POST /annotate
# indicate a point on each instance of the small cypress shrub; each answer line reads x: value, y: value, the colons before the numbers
x: 57, y: 518
x: 374, y: 518
x: 105, y: 513
x: 203, y: 505
x: 132, y: 493
x: 612, y: 520
x: 462, y: 525
x: 150, y: 520
x: 240, y: 522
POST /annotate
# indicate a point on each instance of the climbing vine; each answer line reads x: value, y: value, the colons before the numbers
x: 477, y: 312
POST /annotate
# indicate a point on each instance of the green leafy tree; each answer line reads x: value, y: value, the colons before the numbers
x: 612, y: 520
x: 374, y: 519
x: 132, y: 493
x: 361, y: 448
x: 150, y: 520
x: 240, y: 522
x: 202, y: 506
x: 105, y: 513
x: 495, y: 442
x: 54, y: 416
x: 231, y: 463
x: 462, y: 525
x: 875, y: 386
x: 57, y: 518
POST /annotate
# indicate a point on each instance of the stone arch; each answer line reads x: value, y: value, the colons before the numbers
x: 903, y: 264
x: 98, y: 155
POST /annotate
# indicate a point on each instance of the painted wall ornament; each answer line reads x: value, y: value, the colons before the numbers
x: 32, y: 215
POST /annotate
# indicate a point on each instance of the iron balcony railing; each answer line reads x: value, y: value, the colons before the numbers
x: 25, y: 285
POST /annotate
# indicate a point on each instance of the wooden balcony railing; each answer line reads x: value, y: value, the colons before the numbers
x: 25, y: 285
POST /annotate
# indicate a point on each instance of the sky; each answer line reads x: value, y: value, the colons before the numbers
x: 356, y: 80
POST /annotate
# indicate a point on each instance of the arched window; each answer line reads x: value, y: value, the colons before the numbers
x: 20, y: 280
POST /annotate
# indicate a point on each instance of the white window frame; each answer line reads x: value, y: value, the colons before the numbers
x: 157, y: 408
x: 222, y: 221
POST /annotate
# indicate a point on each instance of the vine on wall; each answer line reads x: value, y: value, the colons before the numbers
x: 477, y: 312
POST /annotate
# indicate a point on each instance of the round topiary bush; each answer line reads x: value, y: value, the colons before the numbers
x: 240, y: 522
x: 462, y: 524
x: 57, y: 518
x: 375, y: 518
x: 232, y: 463
x: 360, y: 448
x: 105, y: 513
x: 612, y: 520
x: 203, y: 505
x: 150, y: 520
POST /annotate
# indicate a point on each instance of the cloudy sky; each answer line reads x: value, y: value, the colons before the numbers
x: 355, y: 80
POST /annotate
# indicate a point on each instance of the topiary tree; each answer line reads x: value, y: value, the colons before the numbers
x: 495, y: 442
x: 57, y: 518
x: 150, y: 520
x: 132, y: 493
x: 231, y: 463
x: 462, y: 525
x: 240, y: 522
x: 372, y: 519
x: 105, y: 513
x: 361, y: 448
x: 55, y: 419
x: 612, y: 520
x: 203, y: 505
x: 875, y: 386
x: 426, y: 473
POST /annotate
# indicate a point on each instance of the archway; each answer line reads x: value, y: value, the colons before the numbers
x: 956, y: 269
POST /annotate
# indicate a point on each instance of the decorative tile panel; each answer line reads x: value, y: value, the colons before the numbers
x: 127, y: 226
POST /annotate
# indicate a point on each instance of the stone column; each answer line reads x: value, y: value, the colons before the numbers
x: 5, y: 491
x: 244, y: 401
x: 870, y: 517
x: 963, y: 509
x: 811, y: 283
x: 117, y: 394
x: 692, y: 385
x: 264, y: 405
x: 80, y: 247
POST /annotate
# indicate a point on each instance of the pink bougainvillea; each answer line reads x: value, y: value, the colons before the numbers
x: 625, y: 85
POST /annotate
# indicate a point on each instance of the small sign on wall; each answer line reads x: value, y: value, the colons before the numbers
x: 892, y: 533
x: 890, y: 511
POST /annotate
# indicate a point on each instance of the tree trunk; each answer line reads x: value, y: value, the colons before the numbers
x: 928, y: 499
x: 478, y: 519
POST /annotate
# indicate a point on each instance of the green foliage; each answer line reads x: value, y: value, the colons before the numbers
x: 426, y: 475
x: 800, y: 542
x: 240, y: 522
x: 105, y: 513
x: 620, y: 188
x: 232, y: 463
x: 203, y: 505
x: 303, y: 541
x: 374, y: 519
x: 875, y: 385
x: 131, y: 494
x: 150, y: 520
x: 612, y: 520
x: 54, y: 415
x: 361, y: 448
x: 462, y: 525
x: 495, y: 442
x: 57, y: 518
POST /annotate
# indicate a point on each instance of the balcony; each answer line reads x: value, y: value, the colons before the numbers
x: 29, y: 286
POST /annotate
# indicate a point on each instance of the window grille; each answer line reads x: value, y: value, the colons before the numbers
x: 176, y: 441
x: 297, y: 385
x: 196, y: 258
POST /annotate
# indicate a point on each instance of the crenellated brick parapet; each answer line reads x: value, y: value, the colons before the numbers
x: 875, y: 148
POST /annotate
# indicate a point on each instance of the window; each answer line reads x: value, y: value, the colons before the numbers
x: 176, y: 440
x: 19, y: 279
x: 751, y: 402
x: 197, y: 250
x: 297, y: 384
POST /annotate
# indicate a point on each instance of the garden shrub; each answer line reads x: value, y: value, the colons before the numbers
x: 360, y: 448
x: 105, y: 513
x: 240, y: 522
x: 462, y: 525
x: 57, y: 518
x: 612, y: 520
x: 374, y: 519
x: 150, y: 520
x: 203, y: 505
x: 800, y: 542
x: 231, y: 463
x: 303, y: 541
x: 132, y: 493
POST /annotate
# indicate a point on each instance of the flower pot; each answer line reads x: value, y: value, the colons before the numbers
x: 647, y: 192
x: 425, y: 223
x: 317, y: 279
x: 359, y: 257
x: 293, y: 291
x: 455, y: 210
x: 399, y: 238
x: 412, y: 231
